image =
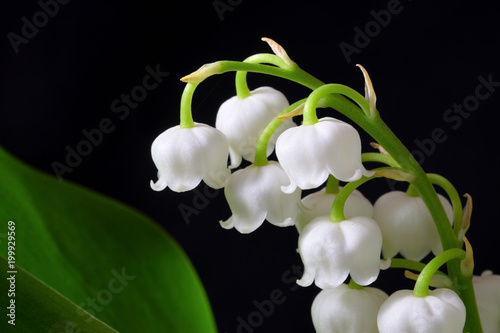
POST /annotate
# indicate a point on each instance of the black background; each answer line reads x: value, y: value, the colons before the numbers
x: 425, y: 60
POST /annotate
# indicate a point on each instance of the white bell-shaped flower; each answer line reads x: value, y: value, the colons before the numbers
x: 185, y: 156
x: 407, y: 225
x: 487, y: 290
x: 254, y: 195
x: 347, y: 310
x: 442, y: 311
x: 320, y: 204
x: 309, y: 154
x: 242, y: 121
x: 330, y: 251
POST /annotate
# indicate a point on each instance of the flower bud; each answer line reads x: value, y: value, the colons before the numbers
x: 407, y: 225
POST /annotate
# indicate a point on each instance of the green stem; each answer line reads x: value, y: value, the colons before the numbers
x: 337, y: 214
x: 422, y: 285
x: 354, y: 285
x: 310, y: 116
x: 452, y: 193
x: 261, y: 147
x: 412, y: 191
x: 186, y: 113
x: 332, y: 185
x: 410, y: 264
x: 242, y: 90
x: 380, y: 158
x: 294, y: 73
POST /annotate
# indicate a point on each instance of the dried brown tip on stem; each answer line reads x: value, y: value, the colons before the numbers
x: 466, y: 217
x: 467, y: 264
x: 411, y: 275
x: 202, y: 73
x: 437, y: 281
x: 278, y: 50
x: 380, y: 148
x: 395, y: 174
x: 369, y: 91
x: 295, y: 112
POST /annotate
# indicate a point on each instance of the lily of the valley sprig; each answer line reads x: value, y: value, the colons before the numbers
x: 344, y: 241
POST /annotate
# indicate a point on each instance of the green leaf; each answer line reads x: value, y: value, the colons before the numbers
x: 32, y: 306
x: 108, y: 259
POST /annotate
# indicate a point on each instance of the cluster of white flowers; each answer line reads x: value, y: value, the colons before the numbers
x: 359, y: 245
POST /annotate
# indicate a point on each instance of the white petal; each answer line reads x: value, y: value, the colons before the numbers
x: 185, y: 156
x: 407, y: 226
x: 331, y: 250
x: 228, y: 224
x: 363, y: 246
x: 321, y: 247
x: 309, y: 154
x: 282, y: 208
x: 160, y: 185
x: 243, y: 198
x: 307, y: 278
x: 344, y: 154
x: 289, y: 188
x: 236, y: 158
x: 442, y: 311
x: 347, y: 310
x: 254, y: 194
x: 302, y: 156
x: 243, y: 120
x: 487, y: 291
